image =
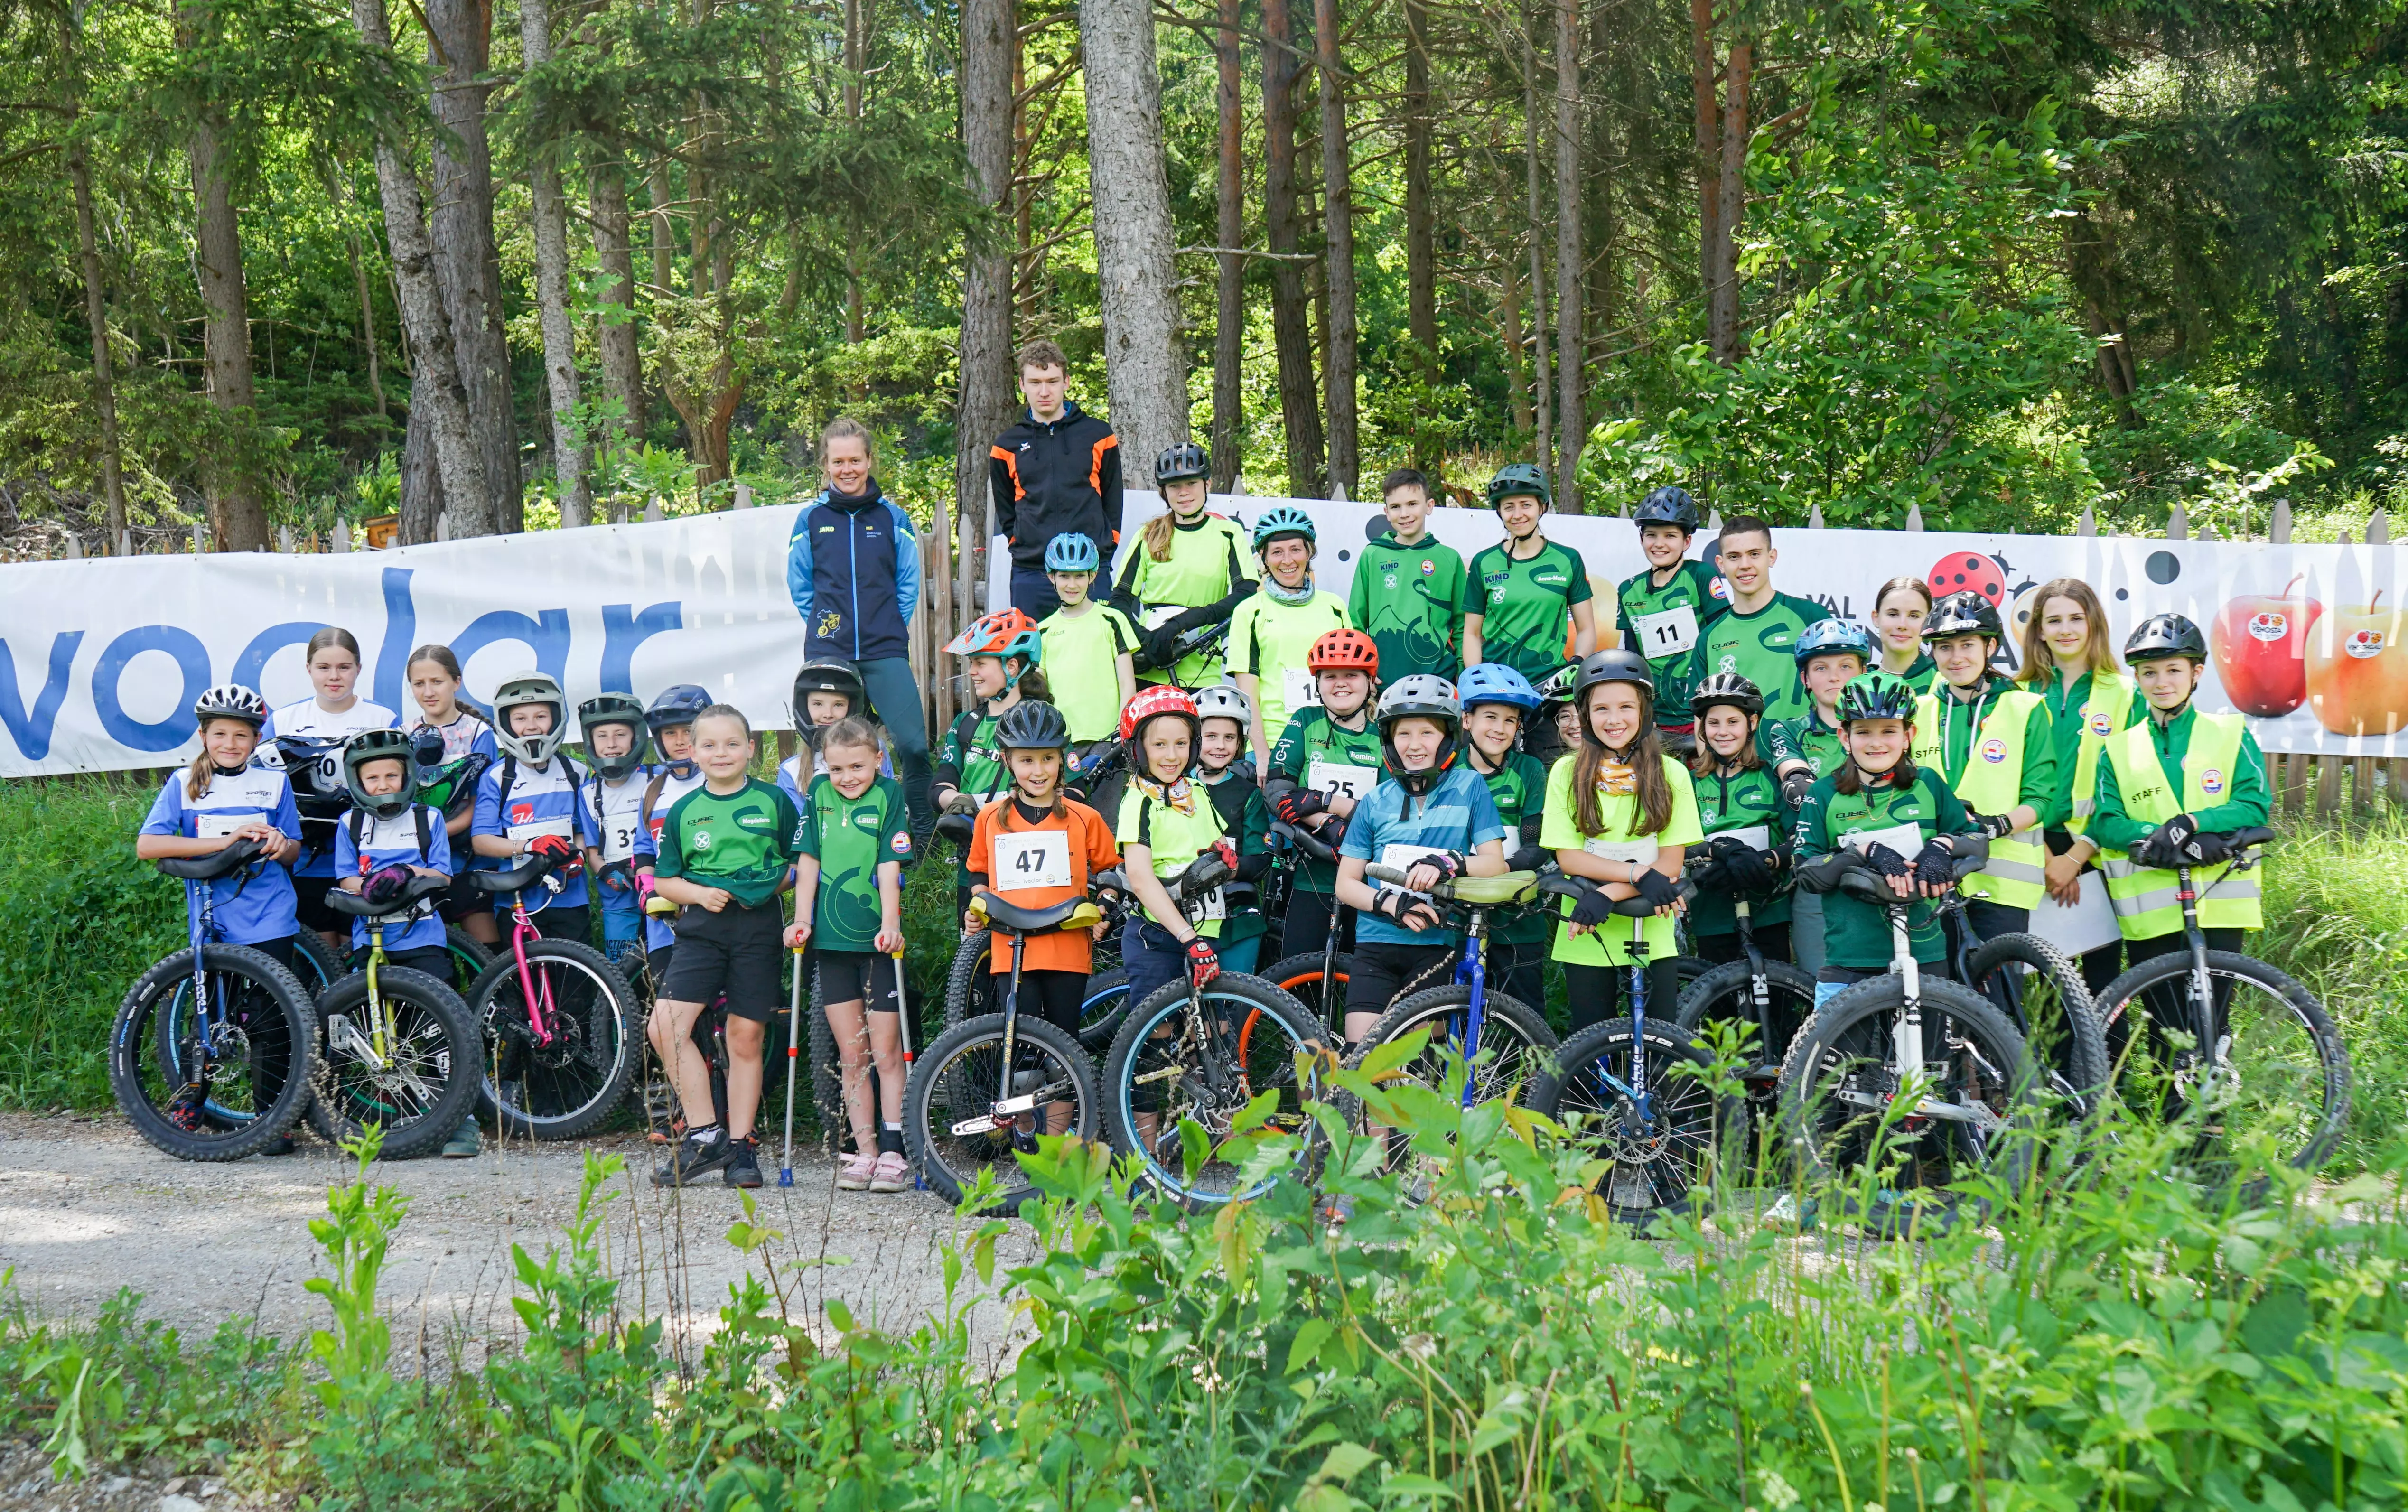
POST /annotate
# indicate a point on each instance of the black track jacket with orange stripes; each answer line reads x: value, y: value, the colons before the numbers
x: 1049, y: 479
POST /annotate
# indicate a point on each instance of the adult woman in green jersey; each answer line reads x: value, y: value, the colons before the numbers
x: 2070, y: 662
x: 1991, y: 740
x: 1272, y: 633
x: 1187, y: 571
x: 1519, y: 595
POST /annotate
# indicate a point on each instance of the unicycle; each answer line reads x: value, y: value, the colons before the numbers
x: 401, y: 1049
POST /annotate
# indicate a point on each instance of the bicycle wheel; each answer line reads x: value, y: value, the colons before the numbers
x: 469, y: 956
x: 559, y: 1041
x: 422, y: 1087
x: 1727, y: 994
x: 1667, y: 1151
x: 1975, y: 1116
x: 969, y: 987
x: 1299, y: 977
x: 317, y: 965
x: 2276, y: 1078
x: 221, y: 1084
x: 2031, y: 981
x: 1514, y: 1045
x: 1100, y: 1015
x: 950, y: 1127
x: 1162, y: 1075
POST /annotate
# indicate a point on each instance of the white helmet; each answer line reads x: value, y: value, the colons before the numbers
x: 230, y: 700
x: 1222, y: 701
x: 537, y: 688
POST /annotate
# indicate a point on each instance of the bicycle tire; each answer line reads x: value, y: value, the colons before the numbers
x: 1730, y: 987
x: 1515, y: 1043
x: 1825, y: 1085
x: 2313, y: 1131
x: 969, y: 985
x: 1299, y: 977
x: 550, y: 1102
x: 1275, y: 1026
x: 953, y: 1082
x: 1693, y: 1135
x: 145, y: 1039
x: 1101, y: 1014
x: 437, y: 1020
x: 317, y: 965
x: 2060, y: 1026
x: 469, y: 956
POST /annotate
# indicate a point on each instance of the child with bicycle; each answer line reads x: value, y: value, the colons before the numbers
x: 1000, y: 654
x: 221, y: 798
x: 1090, y: 649
x: 449, y: 780
x: 1326, y: 761
x: 669, y: 719
x: 527, y: 805
x: 306, y: 739
x: 1167, y: 821
x: 725, y: 850
x: 1432, y: 816
x: 1881, y: 812
x: 1991, y: 742
x: 613, y: 795
x: 1495, y: 701
x: 1622, y: 813
x: 1222, y: 718
x: 1747, y: 824
x: 854, y: 837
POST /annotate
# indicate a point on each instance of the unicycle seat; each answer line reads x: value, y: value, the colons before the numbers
x: 419, y: 890
x: 517, y: 879
x: 210, y: 868
x: 1011, y: 919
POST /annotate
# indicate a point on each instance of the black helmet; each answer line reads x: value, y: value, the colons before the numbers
x: 2165, y: 635
x: 1668, y: 505
x: 1965, y: 613
x: 1522, y: 479
x: 1614, y: 667
x: 1877, y: 696
x: 678, y: 704
x: 1031, y: 724
x: 836, y: 677
x: 612, y: 709
x: 1726, y: 687
x: 1186, y: 460
x: 381, y: 745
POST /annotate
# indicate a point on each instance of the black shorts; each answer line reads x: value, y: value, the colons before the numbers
x: 857, y: 976
x: 310, y: 906
x: 435, y: 963
x: 1059, y: 998
x: 1383, y: 970
x: 465, y: 902
x: 735, y: 951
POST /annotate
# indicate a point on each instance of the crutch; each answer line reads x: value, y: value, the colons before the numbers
x: 903, y: 1026
x: 793, y: 1050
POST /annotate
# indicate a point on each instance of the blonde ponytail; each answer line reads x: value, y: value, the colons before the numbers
x: 1157, y: 536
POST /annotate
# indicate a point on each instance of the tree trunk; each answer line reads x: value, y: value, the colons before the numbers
x: 856, y: 63
x: 104, y: 380
x: 237, y: 511
x: 1307, y: 475
x: 1420, y: 232
x: 468, y: 264
x: 571, y: 472
x: 368, y: 328
x: 1571, y: 342
x: 1540, y: 372
x: 1708, y: 139
x: 1145, y: 367
x: 1337, y: 203
x: 1508, y: 328
x: 1229, y: 320
x: 616, y: 339
x: 990, y: 45
x: 1731, y: 204
x: 438, y: 400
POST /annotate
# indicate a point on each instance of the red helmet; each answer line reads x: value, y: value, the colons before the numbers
x: 1344, y: 651
x: 1161, y: 699
x: 1004, y: 633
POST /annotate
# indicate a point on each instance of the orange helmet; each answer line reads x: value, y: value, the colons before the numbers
x: 1161, y: 699
x: 1006, y: 632
x: 1344, y: 651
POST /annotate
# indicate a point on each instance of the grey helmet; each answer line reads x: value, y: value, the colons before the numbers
x: 1222, y: 701
x: 230, y: 700
x: 530, y: 688
x: 1422, y: 696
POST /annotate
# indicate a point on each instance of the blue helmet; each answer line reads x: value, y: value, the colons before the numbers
x: 1286, y: 520
x: 1072, y: 553
x: 1493, y: 682
x: 1825, y: 638
x: 676, y: 705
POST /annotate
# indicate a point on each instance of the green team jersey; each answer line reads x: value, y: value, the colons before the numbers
x: 1272, y: 642
x: 1316, y: 751
x: 1525, y: 606
x: 969, y: 758
x: 740, y: 842
x: 1082, y: 662
x: 1805, y: 738
x: 1205, y: 562
x: 1663, y: 625
x: 1855, y: 934
x: 1519, y: 789
x: 1246, y: 819
x: 851, y: 836
x: 1740, y: 800
x: 1760, y: 647
x: 1408, y: 599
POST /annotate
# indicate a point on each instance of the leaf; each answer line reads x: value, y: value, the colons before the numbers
x: 1307, y: 1348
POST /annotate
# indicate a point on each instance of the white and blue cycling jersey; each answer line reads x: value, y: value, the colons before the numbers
x: 327, y: 729
x: 616, y: 812
x: 542, y: 801
x: 254, y: 905
x: 384, y: 842
x: 1395, y: 829
x: 467, y: 735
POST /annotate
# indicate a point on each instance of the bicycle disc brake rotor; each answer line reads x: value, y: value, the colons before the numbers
x: 564, y: 1048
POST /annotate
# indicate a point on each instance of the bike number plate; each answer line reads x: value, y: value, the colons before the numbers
x: 1756, y: 837
x: 209, y: 826
x: 1329, y: 779
x: 1668, y: 632
x: 1640, y: 851
x: 1216, y: 905
x: 1905, y: 839
x: 1031, y: 858
x: 1301, y: 687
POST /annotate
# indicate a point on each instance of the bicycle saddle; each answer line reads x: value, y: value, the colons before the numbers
x: 957, y: 827
x: 1472, y: 892
x: 210, y: 868
x: 419, y: 890
x: 1011, y: 919
x: 528, y: 873
x: 2242, y: 840
x: 1306, y: 841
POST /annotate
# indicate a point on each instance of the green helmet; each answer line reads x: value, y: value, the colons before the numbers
x: 381, y: 745
x: 1877, y: 696
x: 1520, y: 479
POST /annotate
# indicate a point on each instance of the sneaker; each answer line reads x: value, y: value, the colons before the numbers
x: 695, y: 1155
x: 465, y: 1142
x: 744, y: 1164
x: 1338, y: 1210
x: 857, y: 1173
x: 892, y: 1173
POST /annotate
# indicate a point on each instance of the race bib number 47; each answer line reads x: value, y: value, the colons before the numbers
x: 1036, y: 859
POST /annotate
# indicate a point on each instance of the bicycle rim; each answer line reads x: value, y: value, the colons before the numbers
x: 1509, y: 1060
x: 538, y: 1081
x: 960, y: 1137
x: 211, y: 1075
x: 356, y: 1093
x: 1166, y: 1083
x: 1660, y: 1150
x: 2278, y: 1090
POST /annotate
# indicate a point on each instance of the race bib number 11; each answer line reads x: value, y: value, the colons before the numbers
x: 1668, y: 633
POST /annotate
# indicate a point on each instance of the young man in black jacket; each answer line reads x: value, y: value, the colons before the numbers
x: 1056, y: 471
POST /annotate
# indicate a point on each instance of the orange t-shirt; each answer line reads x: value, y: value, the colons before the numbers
x: 1088, y: 841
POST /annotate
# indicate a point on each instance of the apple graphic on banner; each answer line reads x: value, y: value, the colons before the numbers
x: 2358, y: 670
x: 2260, y: 642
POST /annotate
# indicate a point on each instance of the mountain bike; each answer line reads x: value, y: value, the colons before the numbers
x: 2042, y: 995
x: 1909, y: 1084
x: 401, y: 1048
x: 1202, y: 1059
x: 213, y: 1051
x: 558, y: 1021
x: 977, y: 1097
x: 2224, y: 1045
x: 1315, y: 978
x: 1464, y: 1016
x: 1641, y: 1094
x: 318, y: 965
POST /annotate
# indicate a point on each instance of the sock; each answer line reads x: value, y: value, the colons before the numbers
x: 890, y: 1139
x: 703, y: 1134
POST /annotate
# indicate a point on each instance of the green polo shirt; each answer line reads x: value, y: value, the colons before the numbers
x: 740, y: 842
x: 1692, y: 585
x: 1805, y: 738
x: 1313, y: 739
x: 1762, y: 648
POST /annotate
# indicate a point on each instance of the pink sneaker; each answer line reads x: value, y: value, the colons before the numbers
x: 892, y: 1174
x: 856, y: 1176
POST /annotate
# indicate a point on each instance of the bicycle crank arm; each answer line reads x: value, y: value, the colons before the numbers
x: 1956, y: 1112
x: 1009, y: 1109
x: 344, y: 1035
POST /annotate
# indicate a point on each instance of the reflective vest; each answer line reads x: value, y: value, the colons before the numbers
x: 2110, y: 700
x: 2145, y: 900
x: 1991, y: 783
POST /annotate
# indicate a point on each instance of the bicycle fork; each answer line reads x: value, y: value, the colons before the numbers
x: 1475, y: 960
x: 1759, y: 985
x: 538, y: 997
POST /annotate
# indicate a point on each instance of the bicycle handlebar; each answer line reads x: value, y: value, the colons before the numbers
x: 1313, y: 845
x: 418, y: 891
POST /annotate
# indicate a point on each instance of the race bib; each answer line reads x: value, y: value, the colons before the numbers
x: 1031, y: 858
x: 521, y: 833
x: 1301, y: 687
x: 208, y: 824
x: 1329, y: 779
x: 1214, y: 905
x: 1641, y: 851
x: 1403, y: 858
x: 619, y: 836
x: 1666, y: 632
x: 1905, y: 839
x: 1756, y: 837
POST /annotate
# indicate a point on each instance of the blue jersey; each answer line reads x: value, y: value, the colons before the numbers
x: 255, y: 904
x: 1394, y: 828
x: 542, y: 801
x: 384, y: 842
x: 616, y: 812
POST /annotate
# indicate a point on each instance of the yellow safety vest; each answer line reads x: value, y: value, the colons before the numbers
x: 1991, y: 783
x: 2111, y: 700
x: 2148, y: 902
